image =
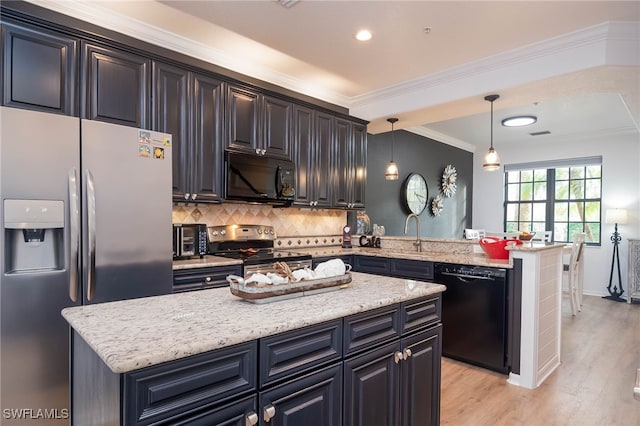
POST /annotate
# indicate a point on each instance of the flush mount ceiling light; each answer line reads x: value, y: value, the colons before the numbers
x: 364, y: 35
x: 519, y: 121
x: 491, y: 158
x: 391, y: 172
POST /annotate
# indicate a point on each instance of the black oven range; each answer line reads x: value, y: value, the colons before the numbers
x: 254, y: 245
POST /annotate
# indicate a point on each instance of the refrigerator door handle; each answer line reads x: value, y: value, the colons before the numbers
x: 91, y: 236
x: 74, y: 234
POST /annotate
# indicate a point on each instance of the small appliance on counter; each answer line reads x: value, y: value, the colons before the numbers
x: 189, y: 239
x: 346, y: 237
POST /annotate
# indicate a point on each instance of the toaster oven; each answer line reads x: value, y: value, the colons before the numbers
x: 189, y: 240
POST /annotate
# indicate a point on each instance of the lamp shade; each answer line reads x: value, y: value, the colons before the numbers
x: 491, y: 160
x: 391, y: 172
x: 616, y: 216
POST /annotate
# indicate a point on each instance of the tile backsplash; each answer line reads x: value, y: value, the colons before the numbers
x: 289, y: 222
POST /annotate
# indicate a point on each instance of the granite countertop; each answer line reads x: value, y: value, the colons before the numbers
x: 480, y: 259
x: 133, y: 334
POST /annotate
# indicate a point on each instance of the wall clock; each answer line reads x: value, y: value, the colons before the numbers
x: 415, y: 193
x: 449, y: 179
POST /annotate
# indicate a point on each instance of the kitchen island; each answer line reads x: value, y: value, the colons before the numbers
x: 179, y: 357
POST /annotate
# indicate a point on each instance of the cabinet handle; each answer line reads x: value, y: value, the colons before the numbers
x: 269, y: 412
x: 406, y: 353
x: 263, y: 152
x: 208, y: 279
x: 258, y: 151
x: 186, y: 196
x: 194, y: 196
x: 397, y: 357
x: 252, y: 419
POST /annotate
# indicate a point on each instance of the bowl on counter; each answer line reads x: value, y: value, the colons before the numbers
x: 495, y: 247
x: 526, y: 236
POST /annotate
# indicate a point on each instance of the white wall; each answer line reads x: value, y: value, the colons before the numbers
x: 620, y: 188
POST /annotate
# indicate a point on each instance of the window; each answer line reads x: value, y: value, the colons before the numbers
x: 563, y: 196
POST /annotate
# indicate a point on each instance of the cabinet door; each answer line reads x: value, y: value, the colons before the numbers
x: 420, y: 393
x: 276, y: 131
x: 323, y: 157
x: 342, y: 171
x: 312, y: 400
x: 39, y: 69
x: 116, y: 85
x: 358, y: 166
x: 171, y: 115
x: 371, y: 388
x: 207, y: 151
x: 303, y: 155
x: 235, y: 414
x: 242, y: 119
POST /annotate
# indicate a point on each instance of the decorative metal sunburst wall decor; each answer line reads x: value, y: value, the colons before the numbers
x: 449, y: 179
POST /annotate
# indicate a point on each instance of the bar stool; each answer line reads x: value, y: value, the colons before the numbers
x: 574, y: 276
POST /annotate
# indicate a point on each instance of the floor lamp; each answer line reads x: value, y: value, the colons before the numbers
x: 617, y: 216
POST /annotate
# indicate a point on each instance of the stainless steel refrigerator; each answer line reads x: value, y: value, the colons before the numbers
x: 86, y: 218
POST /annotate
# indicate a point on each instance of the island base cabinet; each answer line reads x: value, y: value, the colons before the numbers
x: 396, y: 384
x: 313, y: 400
x: 240, y: 413
x: 371, y: 386
x: 420, y: 378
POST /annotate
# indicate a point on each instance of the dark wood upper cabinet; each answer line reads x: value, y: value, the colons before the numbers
x: 207, y: 157
x: 312, y: 141
x: 116, y: 86
x: 258, y: 124
x: 189, y: 106
x: 171, y: 115
x: 349, y: 173
x: 39, y: 69
x: 276, y: 131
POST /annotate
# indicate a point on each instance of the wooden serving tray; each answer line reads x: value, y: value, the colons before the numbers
x: 274, y: 292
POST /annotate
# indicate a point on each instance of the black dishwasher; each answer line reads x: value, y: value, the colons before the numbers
x: 474, y: 314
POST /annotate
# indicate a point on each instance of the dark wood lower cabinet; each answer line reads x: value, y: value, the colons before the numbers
x: 312, y: 400
x: 371, y: 386
x: 234, y: 414
x: 396, y: 384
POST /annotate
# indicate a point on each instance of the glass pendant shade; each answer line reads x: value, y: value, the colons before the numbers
x: 491, y: 160
x: 391, y: 172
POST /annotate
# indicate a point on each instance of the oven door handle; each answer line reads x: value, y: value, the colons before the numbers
x: 466, y: 278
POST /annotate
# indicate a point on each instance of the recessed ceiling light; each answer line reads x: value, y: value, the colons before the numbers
x: 364, y: 35
x: 521, y: 120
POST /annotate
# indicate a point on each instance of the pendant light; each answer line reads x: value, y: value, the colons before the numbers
x: 391, y: 172
x: 491, y: 158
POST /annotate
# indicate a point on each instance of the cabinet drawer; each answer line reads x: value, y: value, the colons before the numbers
x: 286, y: 354
x: 203, y: 278
x: 234, y: 413
x: 411, y: 269
x: 368, y: 329
x: 371, y: 264
x: 421, y: 314
x: 168, y: 390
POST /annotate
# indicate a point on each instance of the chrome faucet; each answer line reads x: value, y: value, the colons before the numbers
x: 416, y: 243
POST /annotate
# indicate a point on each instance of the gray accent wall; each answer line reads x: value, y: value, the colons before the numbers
x: 415, y: 153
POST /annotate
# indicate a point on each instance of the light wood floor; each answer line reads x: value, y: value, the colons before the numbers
x: 592, y: 386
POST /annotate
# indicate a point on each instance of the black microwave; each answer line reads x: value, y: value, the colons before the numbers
x: 259, y: 179
x: 189, y: 239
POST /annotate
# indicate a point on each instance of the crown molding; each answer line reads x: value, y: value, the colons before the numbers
x: 103, y: 17
x: 441, y: 137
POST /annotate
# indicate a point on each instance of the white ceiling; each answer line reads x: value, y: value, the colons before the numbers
x: 576, y: 65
